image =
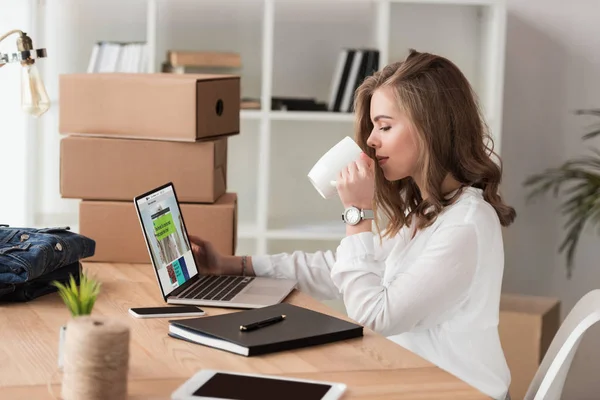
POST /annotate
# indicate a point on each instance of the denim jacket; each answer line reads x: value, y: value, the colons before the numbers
x: 28, y: 253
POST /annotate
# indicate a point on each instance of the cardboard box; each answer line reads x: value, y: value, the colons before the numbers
x: 527, y: 326
x: 158, y: 106
x: 115, y: 227
x: 120, y: 169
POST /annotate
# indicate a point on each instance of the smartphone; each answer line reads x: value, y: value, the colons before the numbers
x: 215, y: 384
x: 166, y: 311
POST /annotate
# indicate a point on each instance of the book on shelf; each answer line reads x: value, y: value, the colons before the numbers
x: 109, y: 56
x: 353, y: 66
x: 299, y: 328
x: 179, y: 58
x: 248, y: 103
x: 211, y: 62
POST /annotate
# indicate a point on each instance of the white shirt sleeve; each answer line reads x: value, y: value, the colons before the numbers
x: 311, y: 270
x: 420, y: 294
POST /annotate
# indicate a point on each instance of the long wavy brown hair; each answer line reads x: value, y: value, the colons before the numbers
x: 453, y: 138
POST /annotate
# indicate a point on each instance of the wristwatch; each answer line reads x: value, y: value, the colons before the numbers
x: 353, y: 215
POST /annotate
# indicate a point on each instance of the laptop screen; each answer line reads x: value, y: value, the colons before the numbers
x: 167, y: 238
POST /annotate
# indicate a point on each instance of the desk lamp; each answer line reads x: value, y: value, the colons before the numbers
x: 34, y: 99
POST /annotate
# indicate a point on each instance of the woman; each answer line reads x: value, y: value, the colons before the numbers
x: 432, y: 281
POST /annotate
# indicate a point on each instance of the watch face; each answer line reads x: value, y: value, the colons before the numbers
x: 353, y: 215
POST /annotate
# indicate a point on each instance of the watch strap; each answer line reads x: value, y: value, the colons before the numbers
x: 367, y: 214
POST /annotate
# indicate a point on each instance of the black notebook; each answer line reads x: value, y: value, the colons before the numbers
x: 300, y: 328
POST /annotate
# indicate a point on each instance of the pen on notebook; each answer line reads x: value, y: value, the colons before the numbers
x: 262, y: 324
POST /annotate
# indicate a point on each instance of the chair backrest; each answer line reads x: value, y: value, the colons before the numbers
x: 548, y: 382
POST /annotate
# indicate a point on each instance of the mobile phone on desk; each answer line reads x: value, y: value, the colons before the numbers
x: 166, y: 312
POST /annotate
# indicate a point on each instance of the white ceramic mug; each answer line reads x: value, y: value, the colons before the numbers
x: 325, y: 172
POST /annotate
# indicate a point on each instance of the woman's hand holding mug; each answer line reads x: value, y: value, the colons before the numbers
x: 325, y: 172
x: 356, y: 183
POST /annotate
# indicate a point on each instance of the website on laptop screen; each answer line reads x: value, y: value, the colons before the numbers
x: 163, y: 226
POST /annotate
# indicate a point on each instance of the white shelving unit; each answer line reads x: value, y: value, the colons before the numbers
x: 290, y: 48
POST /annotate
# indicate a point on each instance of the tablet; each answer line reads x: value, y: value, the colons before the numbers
x: 219, y: 385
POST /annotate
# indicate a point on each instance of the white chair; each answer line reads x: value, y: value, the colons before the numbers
x: 548, y: 382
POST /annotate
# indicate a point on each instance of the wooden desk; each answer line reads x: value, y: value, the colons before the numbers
x: 372, y: 366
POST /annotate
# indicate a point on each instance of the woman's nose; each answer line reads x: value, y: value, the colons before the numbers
x: 371, y: 141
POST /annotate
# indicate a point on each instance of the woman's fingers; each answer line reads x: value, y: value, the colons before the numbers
x: 195, y: 239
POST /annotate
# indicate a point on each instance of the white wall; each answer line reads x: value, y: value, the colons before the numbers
x: 16, y: 135
x: 71, y: 29
x: 553, y: 68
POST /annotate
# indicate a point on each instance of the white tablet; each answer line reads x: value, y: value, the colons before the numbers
x: 219, y: 385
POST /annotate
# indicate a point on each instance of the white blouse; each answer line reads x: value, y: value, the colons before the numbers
x: 437, y: 294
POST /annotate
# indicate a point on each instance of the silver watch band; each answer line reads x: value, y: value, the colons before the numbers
x: 367, y: 214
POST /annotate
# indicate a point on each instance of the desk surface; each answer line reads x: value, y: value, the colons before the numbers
x: 372, y: 366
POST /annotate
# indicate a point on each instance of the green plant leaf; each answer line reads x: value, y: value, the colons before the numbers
x: 67, y: 297
x: 594, y: 129
x: 79, y: 299
x: 591, y: 134
x: 579, y: 181
x: 73, y: 287
x: 592, y: 111
x: 89, y: 291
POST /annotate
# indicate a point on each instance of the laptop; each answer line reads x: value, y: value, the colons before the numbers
x: 176, y: 271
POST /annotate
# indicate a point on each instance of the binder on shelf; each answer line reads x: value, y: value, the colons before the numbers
x: 348, y: 55
x: 352, y: 67
x: 351, y: 82
x: 300, y: 328
x: 296, y: 104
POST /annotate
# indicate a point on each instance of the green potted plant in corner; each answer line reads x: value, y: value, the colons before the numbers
x: 79, y: 301
x: 578, y: 181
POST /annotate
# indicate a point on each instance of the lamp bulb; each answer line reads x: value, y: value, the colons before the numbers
x: 34, y: 99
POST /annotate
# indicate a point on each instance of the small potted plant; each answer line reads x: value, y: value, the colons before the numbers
x: 79, y: 301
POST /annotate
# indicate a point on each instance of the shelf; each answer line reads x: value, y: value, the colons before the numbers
x: 306, y: 234
x: 287, y: 115
x: 269, y: 160
x: 250, y: 114
x: 247, y: 231
x: 311, y: 116
x: 327, y: 231
x: 450, y: 2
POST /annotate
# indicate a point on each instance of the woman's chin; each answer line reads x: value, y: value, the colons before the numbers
x: 389, y: 177
x: 392, y: 177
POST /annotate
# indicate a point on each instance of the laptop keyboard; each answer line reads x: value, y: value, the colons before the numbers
x: 217, y: 288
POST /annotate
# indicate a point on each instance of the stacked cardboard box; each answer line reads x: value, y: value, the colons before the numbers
x: 127, y: 134
x: 527, y: 326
